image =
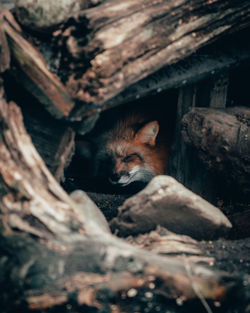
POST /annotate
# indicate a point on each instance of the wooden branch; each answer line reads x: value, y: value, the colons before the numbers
x: 4, y: 47
x: 53, y: 254
x: 116, y: 48
x: 4, y: 51
x: 32, y: 73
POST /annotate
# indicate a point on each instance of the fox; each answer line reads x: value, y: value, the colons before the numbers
x: 134, y: 150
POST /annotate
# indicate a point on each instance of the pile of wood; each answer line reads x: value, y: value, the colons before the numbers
x: 57, y: 252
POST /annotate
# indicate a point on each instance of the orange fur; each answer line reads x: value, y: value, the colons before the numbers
x: 138, y: 149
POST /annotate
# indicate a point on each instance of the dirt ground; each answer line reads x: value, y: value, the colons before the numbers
x: 232, y: 256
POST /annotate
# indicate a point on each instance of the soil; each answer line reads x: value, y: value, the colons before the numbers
x: 232, y: 256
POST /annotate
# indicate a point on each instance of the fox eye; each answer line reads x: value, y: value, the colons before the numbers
x: 130, y: 157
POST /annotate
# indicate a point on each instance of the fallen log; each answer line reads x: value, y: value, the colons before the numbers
x: 52, y: 94
x: 106, y: 48
x: 4, y: 51
x: 208, y: 62
x: 222, y: 140
x: 30, y: 69
x: 53, y: 257
x: 53, y: 139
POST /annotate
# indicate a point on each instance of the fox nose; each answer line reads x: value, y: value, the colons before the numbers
x: 114, y: 177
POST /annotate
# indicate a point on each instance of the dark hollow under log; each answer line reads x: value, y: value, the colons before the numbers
x: 109, y: 47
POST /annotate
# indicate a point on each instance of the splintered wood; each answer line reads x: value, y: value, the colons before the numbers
x: 119, y: 43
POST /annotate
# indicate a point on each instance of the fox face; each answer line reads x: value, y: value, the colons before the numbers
x: 130, y: 154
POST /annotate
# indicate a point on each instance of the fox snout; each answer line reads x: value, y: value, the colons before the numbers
x: 114, y: 178
x: 136, y: 174
x: 122, y: 178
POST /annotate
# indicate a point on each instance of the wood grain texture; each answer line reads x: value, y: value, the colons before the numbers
x: 110, y: 47
x: 221, y: 138
x: 32, y: 73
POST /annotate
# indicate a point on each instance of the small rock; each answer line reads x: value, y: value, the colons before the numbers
x: 8, y: 4
x: 42, y: 15
x: 168, y: 203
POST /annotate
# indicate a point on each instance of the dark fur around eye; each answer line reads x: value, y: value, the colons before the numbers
x: 130, y: 157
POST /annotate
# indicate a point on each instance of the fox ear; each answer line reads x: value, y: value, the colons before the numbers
x: 147, y: 134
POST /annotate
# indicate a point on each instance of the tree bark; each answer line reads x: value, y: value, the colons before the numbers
x: 53, y: 139
x: 222, y: 139
x: 110, y: 47
x: 134, y: 57
x: 208, y: 62
x: 54, y: 257
x: 30, y: 69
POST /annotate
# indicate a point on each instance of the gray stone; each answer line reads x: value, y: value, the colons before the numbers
x: 7, y: 4
x: 168, y: 203
x: 43, y: 15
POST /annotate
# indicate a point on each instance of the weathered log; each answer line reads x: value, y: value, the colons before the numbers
x: 208, y: 62
x: 4, y: 48
x: 53, y: 139
x: 53, y: 258
x: 195, y: 68
x: 106, y: 48
x: 222, y: 140
x: 31, y: 69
